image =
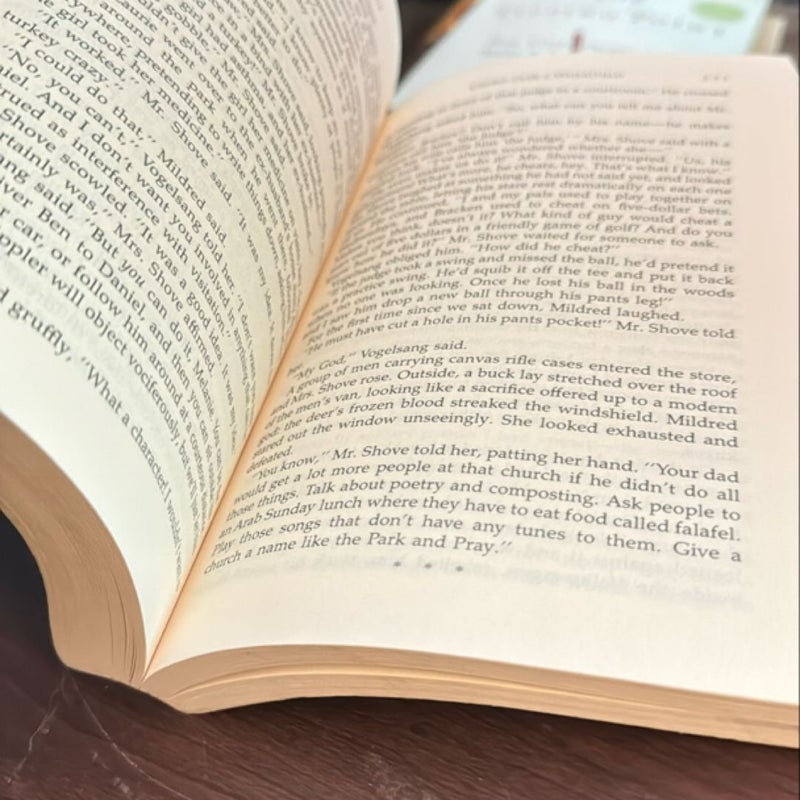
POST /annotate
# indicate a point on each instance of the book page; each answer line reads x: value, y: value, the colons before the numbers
x: 543, y: 410
x: 172, y: 176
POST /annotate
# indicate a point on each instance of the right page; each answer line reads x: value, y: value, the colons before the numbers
x: 543, y: 409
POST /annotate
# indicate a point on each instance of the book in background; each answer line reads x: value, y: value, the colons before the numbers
x: 476, y: 32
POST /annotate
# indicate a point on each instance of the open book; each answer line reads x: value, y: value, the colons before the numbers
x: 491, y: 399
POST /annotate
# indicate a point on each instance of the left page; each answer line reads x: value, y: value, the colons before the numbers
x: 172, y: 176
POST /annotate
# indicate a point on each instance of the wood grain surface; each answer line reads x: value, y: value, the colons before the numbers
x: 65, y: 735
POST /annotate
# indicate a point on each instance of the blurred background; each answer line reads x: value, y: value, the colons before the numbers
x: 419, y: 17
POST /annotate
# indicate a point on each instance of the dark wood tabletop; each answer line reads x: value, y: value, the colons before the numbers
x: 65, y: 735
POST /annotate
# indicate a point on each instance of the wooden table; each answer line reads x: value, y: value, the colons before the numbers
x: 64, y: 735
